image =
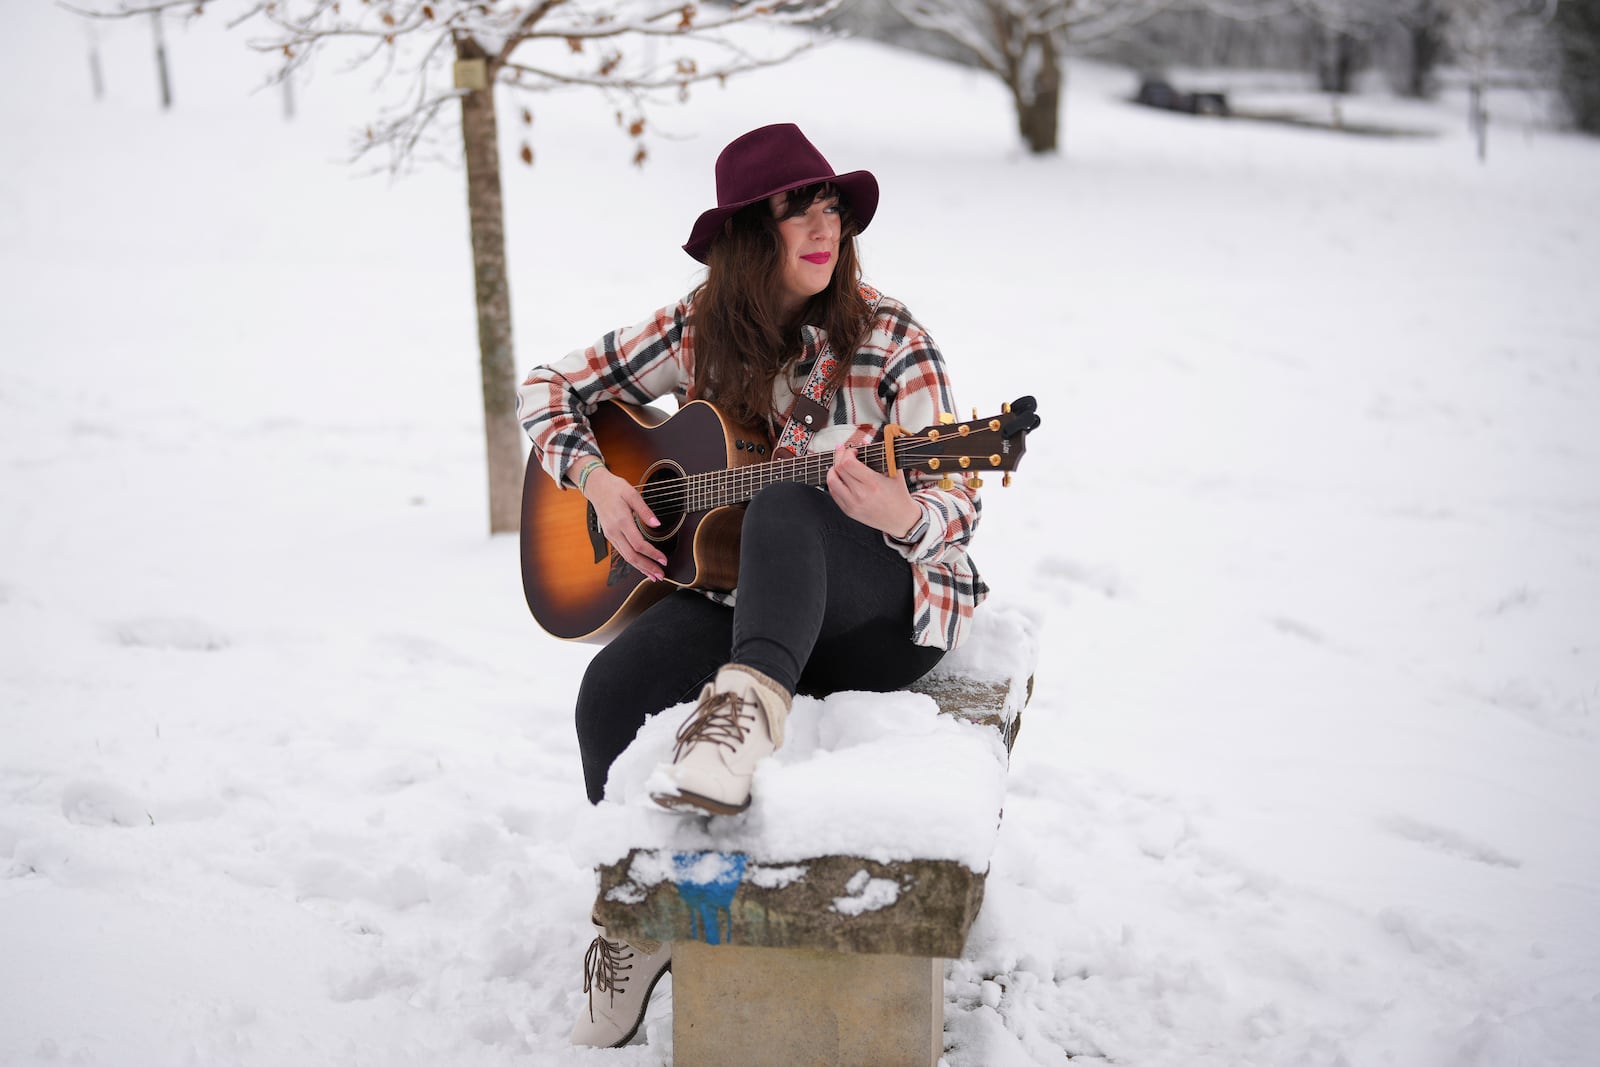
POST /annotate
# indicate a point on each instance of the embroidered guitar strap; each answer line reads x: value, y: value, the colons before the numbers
x: 809, y: 413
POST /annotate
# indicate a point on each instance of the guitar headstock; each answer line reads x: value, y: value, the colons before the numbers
x: 970, y: 449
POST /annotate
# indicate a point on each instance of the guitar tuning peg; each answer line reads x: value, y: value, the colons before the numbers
x: 1005, y: 409
x: 947, y: 483
x: 1007, y: 479
x: 974, y: 482
x: 974, y: 414
x: 946, y: 418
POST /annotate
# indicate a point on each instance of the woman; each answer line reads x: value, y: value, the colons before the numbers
x: 864, y: 587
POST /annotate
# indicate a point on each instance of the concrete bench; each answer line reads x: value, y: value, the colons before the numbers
x: 795, y: 959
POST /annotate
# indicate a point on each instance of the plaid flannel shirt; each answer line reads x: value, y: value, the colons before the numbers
x: 896, y: 376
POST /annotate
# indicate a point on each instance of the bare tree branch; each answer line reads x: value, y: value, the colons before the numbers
x: 530, y: 48
x: 679, y: 78
x: 524, y: 29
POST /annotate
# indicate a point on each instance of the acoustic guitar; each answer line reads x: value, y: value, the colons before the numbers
x: 696, y: 469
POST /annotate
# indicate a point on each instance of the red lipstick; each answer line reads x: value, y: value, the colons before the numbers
x: 818, y: 258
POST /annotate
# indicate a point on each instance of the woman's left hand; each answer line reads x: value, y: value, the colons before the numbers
x: 876, y: 500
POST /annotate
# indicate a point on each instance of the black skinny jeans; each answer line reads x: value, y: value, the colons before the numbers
x: 824, y: 605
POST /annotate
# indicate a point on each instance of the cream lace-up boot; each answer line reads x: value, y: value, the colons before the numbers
x: 618, y: 978
x: 738, y: 723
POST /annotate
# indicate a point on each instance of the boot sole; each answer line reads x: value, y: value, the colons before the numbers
x: 694, y: 803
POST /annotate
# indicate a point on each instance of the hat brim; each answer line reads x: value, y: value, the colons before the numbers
x: 859, y: 187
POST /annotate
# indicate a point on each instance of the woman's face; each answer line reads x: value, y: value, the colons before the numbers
x: 810, y: 246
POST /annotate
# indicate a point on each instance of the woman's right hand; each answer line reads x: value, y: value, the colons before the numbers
x: 616, y: 504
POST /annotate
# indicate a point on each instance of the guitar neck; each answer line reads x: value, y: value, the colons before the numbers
x: 949, y: 450
x: 736, y: 485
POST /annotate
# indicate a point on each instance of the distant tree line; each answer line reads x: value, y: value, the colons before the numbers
x: 1578, y: 40
x: 1407, y: 41
x: 1026, y: 43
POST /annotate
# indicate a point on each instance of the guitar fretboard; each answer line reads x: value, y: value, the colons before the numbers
x: 736, y: 485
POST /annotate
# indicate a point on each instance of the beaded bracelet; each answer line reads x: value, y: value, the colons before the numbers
x: 583, y: 479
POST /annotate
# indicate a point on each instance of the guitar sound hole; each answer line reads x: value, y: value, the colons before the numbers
x: 666, y: 500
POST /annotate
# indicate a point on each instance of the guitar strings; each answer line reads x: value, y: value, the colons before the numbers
x: 675, y: 493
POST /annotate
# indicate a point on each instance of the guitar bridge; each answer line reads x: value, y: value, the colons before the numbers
x: 597, y: 536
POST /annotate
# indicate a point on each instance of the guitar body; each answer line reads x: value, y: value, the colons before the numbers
x: 577, y: 588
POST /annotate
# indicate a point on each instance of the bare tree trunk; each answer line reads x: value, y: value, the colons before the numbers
x: 1425, y: 37
x: 1038, y: 95
x: 1577, y: 34
x: 1478, y: 117
x: 503, y: 435
x: 96, y: 78
x: 1338, y: 62
x: 161, y: 62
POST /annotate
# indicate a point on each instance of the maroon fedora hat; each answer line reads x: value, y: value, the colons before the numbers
x: 772, y: 160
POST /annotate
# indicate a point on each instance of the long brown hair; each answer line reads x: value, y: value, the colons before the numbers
x: 741, y: 344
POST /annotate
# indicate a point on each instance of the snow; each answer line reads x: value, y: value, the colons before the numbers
x: 866, y: 893
x: 287, y: 774
x: 881, y: 776
x: 1002, y: 647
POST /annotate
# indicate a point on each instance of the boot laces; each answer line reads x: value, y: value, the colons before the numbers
x: 719, y: 720
x: 603, y: 967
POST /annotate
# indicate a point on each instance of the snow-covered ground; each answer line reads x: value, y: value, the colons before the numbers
x: 1312, y: 772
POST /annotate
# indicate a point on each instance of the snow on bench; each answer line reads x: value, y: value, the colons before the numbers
x: 813, y: 927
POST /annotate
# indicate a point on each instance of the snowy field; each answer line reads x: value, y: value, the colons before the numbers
x: 1312, y: 532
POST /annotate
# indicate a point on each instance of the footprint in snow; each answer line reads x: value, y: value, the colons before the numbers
x: 407, y: 770
x: 1538, y: 702
x: 1450, y: 842
x: 1445, y: 942
x: 1098, y: 579
x: 331, y: 878
x: 417, y: 649
x: 1519, y: 598
x: 175, y: 632
x: 374, y: 982
x: 1295, y: 628
x: 103, y: 804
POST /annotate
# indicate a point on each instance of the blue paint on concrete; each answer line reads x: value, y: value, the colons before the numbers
x: 706, y: 883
